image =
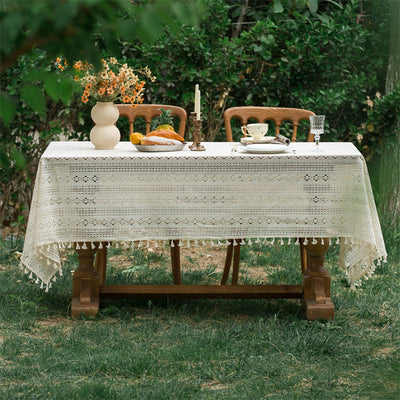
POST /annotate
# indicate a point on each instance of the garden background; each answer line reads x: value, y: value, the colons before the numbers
x: 340, y: 58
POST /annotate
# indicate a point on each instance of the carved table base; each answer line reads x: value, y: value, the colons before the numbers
x: 85, y: 284
x: 317, y: 282
x: 89, y: 284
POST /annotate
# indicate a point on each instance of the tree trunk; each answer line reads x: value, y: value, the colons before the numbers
x: 388, y: 184
x: 393, y: 71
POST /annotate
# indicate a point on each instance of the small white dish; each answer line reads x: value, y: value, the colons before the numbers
x: 267, y: 148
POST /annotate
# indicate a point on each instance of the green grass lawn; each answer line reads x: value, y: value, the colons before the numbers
x: 200, y: 349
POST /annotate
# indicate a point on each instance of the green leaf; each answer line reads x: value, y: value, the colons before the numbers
x: 34, y: 98
x: 35, y: 75
x: 189, y: 13
x: 150, y: 26
x: 7, y: 109
x: 312, y: 5
x: 4, y: 161
x: 335, y: 3
x: 63, y: 14
x: 257, y: 48
x: 324, y: 18
x: 52, y: 86
x: 278, y: 8
x: 18, y: 158
x: 66, y: 90
x: 12, y: 25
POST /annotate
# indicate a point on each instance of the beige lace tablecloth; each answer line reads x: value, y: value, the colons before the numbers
x: 122, y: 195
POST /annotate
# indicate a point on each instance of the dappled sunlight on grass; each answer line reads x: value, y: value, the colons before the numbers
x: 198, y: 348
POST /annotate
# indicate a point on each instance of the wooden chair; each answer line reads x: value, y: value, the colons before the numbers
x: 150, y: 111
x: 265, y: 114
x: 261, y: 114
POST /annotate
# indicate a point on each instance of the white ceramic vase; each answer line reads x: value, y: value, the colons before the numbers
x: 105, y: 135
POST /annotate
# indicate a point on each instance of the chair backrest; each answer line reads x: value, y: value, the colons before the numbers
x: 150, y: 111
x: 265, y: 114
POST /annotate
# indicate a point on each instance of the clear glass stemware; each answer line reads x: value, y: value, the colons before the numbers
x: 317, y: 128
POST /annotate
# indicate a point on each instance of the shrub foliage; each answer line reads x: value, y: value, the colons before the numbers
x: 327, y: 56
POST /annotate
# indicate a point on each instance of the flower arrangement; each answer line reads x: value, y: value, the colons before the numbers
x: 114, y: 81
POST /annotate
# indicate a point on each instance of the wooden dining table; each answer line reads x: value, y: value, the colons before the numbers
x: 90, y: 200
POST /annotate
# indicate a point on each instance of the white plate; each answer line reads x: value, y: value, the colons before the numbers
x: 265, y: 148
x: 250, y: 140
x: 160, y: 147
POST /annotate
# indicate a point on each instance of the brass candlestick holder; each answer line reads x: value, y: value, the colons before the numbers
x: 197, y: 123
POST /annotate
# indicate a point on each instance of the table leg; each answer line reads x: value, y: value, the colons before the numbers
x: 85, y: 284
x: 317, y: 282
x: 176, y: 262
x: 232, y: 252
x: 101, y: 262
x: 236, y: 264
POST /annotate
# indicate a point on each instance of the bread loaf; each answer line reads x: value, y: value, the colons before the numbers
x: 159, y: 140
x: 166, y: 134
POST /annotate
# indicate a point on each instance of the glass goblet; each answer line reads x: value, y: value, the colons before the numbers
x: 317, y: 128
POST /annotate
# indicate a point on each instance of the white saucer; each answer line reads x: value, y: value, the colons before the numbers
x: 265, y: 148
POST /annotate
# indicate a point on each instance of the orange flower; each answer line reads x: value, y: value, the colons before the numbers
x: 78, y: 65
x: 114, y: 81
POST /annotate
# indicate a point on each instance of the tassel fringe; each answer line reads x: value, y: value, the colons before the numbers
x: 40, y: 251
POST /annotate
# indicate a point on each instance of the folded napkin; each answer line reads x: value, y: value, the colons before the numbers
x: 283, y: 139
x: 279, y: 139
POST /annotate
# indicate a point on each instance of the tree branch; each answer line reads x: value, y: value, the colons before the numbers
x: 30, y: 43
x: 238, y: 27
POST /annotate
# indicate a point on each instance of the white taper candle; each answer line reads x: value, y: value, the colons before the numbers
x: 197, y: 102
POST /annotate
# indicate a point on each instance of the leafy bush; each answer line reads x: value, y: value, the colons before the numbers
x: 25, y: 138
x: 204, y: 55
x: 313, y: 63
x: 383, y: 113
x: 285, y: 56
x: 325, y: 56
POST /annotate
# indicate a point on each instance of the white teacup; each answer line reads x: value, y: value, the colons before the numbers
x: 256, y: 131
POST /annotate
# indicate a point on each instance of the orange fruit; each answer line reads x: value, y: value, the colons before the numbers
x: 136, y: 137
